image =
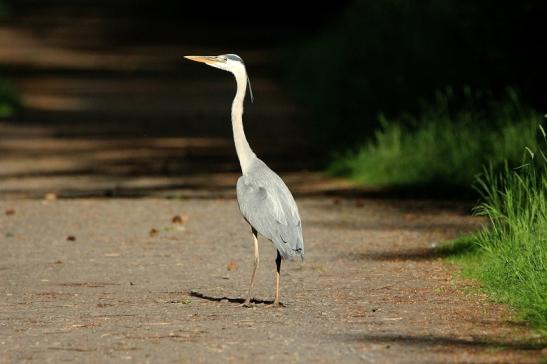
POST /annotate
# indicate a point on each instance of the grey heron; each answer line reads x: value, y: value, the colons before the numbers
x: 264, y: 200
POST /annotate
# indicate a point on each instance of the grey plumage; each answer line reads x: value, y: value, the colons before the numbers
x: 269, y: 207
x: 264, y: 200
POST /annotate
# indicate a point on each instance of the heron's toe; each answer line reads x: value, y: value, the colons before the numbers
x: 275, y: 305
x: 247, y: 304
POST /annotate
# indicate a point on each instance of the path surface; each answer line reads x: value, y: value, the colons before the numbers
x: 92, y: 268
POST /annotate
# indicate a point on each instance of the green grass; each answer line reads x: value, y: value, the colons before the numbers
x: 509, y: 257
x: 440, y: 148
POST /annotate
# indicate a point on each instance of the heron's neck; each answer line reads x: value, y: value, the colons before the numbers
x: 244, y: 152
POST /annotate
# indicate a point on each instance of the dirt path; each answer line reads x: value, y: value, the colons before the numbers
x: 370, y: 289
x: 92, y: 269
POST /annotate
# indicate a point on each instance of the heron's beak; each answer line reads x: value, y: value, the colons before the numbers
x: 203, y: 59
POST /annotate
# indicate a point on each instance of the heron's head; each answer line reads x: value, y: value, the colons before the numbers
x: 228, y: 62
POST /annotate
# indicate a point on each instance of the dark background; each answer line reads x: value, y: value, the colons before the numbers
x: 342, y: 63
x: 221, y: 24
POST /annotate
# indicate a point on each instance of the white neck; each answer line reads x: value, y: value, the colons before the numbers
x: 244, y: 152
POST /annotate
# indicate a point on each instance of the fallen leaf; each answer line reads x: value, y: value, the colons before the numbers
x: 232, y: 265
x: 153, y: 232
x: 10, y: 211
x: 50, y: 196
x: 71, y: 238
x: 179, y: 219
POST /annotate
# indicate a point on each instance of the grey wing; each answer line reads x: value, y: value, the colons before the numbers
x: 271, y: 210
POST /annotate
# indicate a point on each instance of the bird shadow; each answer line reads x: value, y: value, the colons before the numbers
x: 229, y: 299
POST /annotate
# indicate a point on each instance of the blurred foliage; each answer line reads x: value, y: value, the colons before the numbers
x: 387, y: 55
x: 4, y: 10
x: 9, y: 100
x: 445, y: 146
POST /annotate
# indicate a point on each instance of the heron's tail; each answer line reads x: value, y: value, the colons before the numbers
x: 290, y: 251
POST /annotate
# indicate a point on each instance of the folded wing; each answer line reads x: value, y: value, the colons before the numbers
x: 267, y: 204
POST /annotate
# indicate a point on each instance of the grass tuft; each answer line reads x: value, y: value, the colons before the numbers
x: 440, y: 148
x: 509, y: 257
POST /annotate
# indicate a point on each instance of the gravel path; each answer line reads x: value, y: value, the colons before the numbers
x: 94, y: 280
x: 116, y: 142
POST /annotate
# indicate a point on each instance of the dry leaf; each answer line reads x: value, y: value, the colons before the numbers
x: 153, y: 232
x: 10, y: 211
x: 71, y: 238
x: 179, y: 219
x: 232, y: 265
x: 50, y: 196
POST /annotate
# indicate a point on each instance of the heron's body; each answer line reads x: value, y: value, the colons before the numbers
x: 268, y: 206
x: 264, y: 200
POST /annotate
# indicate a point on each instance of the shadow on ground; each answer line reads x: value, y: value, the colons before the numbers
x: 241, y: 300
x: 432, y: 340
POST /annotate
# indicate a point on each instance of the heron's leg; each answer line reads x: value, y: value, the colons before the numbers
x: 277, y: 276
x: 257, y: 260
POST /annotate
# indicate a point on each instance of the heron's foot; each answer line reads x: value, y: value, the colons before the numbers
x: 247, y: 304
x: 276, y: 304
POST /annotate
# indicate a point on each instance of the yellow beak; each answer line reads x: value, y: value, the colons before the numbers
x: 202, y: 59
